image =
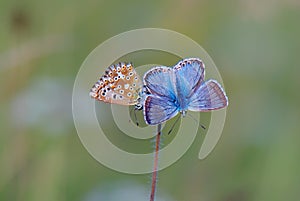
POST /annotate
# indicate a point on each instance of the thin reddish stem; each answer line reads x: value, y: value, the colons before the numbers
x: 155, y: 165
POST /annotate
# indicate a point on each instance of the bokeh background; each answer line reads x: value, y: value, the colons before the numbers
x: 255, y: 45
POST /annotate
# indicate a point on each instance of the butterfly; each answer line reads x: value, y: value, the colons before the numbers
x: 177, y: 89
x: 164, y: 91
x: 120, y: 84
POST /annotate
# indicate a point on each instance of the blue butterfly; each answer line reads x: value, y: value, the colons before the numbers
x: 176, y: 90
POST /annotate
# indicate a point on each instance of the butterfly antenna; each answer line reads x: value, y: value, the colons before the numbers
x: 136, y: 120
x: 155, y: 165
x: 202, y: 126
x: 174, y: 124
x: 134, y: 114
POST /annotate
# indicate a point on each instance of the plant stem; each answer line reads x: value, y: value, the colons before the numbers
x: 155, y: 165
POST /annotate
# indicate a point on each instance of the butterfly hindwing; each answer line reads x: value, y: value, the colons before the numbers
x: 119, y: 85
x: 209, y: 96
x: 159, y: 109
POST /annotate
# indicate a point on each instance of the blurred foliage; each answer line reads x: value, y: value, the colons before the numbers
x: 255, y: 45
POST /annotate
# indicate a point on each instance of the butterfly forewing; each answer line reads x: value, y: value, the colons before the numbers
x: 190, y: 74
x: 119, y: 85
x: 160, y: 81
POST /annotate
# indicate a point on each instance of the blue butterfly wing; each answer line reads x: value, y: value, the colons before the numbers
x: 159, y: 109
x: 160, y: 81
x: 189, y: 76
x: 209, y: 96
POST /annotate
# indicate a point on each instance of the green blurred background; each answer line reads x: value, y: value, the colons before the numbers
x: 255, y: 45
